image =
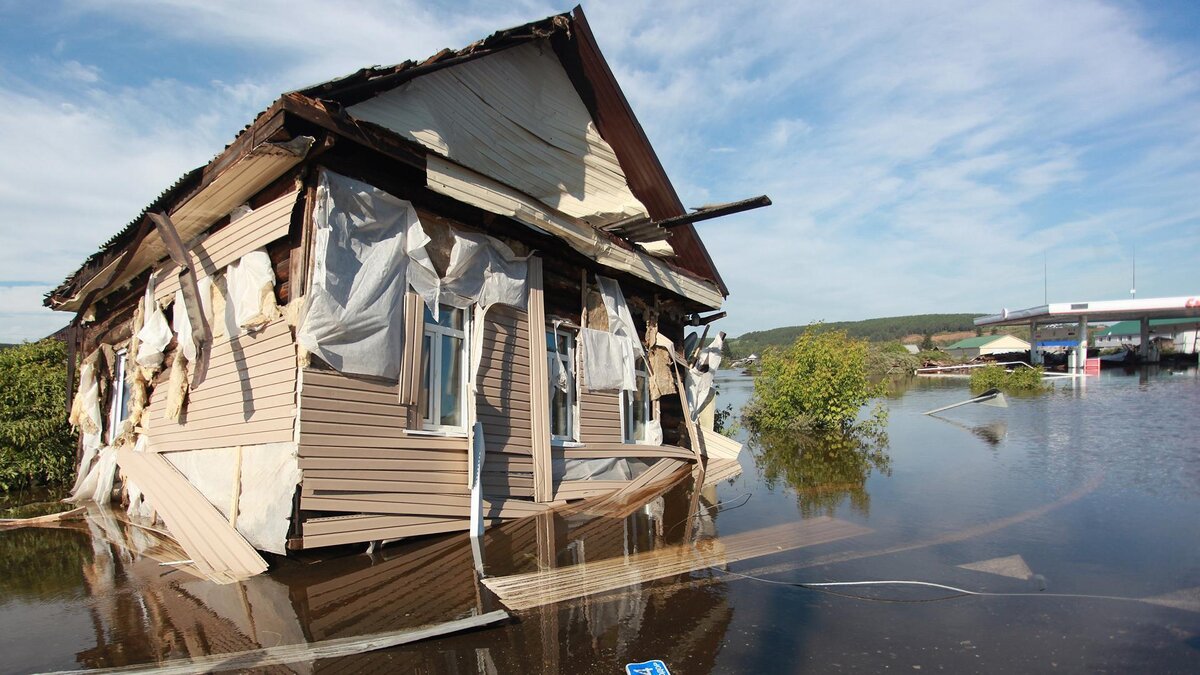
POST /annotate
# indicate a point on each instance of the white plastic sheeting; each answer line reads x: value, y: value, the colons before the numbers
x: 620, y: 321
x: 268, y: 477
x: 699, y: 378
x: 97, y: 484
x: 483, y: 270
x: 182, y: 323
x: 364, y: 240
x: 155, y: 333
x: 608, y: 361
x: 608, y: 468
x: 251, y: 285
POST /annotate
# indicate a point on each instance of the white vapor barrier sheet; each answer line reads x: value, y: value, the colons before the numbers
x: 269, y: 475
x: 251, y: 284
x: 182, y: 324
x: 483, y: 270
x: 97, y: 485
x: 155, y: 333
x: 608, y: 361
x: 699, y: 379
x: 364, y: 240
x: 608, y: 468
x: 620, y: 321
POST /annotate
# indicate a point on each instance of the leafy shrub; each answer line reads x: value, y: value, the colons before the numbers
x: 1015, y: 381
x: 820, y: 382
x: 36, y: 443
x: 890, y: 358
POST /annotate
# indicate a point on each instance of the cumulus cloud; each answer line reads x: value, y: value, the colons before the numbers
x: 921, y: 156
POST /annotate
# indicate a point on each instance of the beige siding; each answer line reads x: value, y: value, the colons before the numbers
x: 357, y: 458
x: 247, y: 398
x: 503, y: 403
x: 261, y: 227
x: 600, y: 418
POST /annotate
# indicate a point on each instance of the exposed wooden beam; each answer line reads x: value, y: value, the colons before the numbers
x: 708, y: 212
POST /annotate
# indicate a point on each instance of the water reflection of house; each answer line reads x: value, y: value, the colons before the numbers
x: 479, y: 249
x: 144, y: 613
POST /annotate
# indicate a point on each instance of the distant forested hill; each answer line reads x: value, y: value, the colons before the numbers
x: 876, y: 330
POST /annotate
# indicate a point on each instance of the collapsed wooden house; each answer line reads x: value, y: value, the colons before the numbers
x: 398, y: 302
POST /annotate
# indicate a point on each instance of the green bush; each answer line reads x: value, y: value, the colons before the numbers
x: 1015, y: 381
x: 37, y: 446
x: 820, y: 382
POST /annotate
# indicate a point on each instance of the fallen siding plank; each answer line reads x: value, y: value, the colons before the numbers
x: 534, y: 589
x: 312, y: 651
x: 217, y: 550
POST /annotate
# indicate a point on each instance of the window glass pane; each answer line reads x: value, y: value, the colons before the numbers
x: 427, y: 382
x: 450, y: 317
x: 559, y: 417
x: 551, y: 347
x: 639, y: 404
x: 451, y: 374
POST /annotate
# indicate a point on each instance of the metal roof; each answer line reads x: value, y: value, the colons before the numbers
x: 1103, y: 310
x: 1135, y: 327
x: 979, y: 341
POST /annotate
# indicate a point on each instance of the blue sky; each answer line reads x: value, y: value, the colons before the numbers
x: 922, y: 157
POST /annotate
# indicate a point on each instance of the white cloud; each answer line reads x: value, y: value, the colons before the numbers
x: 921, y: 156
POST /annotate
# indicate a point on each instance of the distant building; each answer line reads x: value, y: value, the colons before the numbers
x: 912, y: 349
x: 1183, y: 333
x: 987, y: 344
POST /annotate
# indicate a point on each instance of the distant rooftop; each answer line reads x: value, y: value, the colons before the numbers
x: 1102, y: 310
x: 1135, y: 327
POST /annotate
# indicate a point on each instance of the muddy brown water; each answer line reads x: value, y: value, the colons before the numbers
x: 1084, y: 491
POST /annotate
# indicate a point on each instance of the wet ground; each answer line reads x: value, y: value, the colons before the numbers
x: 1084, y: 491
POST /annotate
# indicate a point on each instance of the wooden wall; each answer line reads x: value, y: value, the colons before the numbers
x: 247, y: 398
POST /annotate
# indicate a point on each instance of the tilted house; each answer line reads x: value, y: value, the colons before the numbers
x: 386, y: 277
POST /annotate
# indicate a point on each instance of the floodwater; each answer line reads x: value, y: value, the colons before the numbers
x: 1049, y: 503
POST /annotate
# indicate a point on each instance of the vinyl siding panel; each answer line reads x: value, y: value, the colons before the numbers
x: 248, y: 397
x: 264, y: 225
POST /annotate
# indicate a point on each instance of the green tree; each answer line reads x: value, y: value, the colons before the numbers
x: 927, y: 344
x: 37, y: 446
x: 820, y: 382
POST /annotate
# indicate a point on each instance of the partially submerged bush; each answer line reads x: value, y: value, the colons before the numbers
x: 820, y: 382
x: 890, y: 358
x: 36, y: 443
x: 1018, y: 380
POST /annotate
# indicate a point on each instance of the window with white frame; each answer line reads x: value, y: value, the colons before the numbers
x: 118, y: 411
x: 560, y: 357
x: 636, y: 407
x: 443, y: 370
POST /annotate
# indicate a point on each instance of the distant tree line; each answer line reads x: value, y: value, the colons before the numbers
x: 875, y: 330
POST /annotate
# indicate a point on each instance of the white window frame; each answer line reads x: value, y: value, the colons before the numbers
x: 568, y: 362
x: 118, y: 396
x: 641, y: 376
x: 433, y: 384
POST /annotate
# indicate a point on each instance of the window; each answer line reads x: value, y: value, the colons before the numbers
x: 443, y: 371
x: 119, y: 410
x: 636, y: 407
x: 560, y: 356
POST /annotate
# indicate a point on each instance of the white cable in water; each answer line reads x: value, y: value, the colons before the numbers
x: 819, y: 585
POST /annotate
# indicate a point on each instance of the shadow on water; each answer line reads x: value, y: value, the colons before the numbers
x: 824, y: 469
